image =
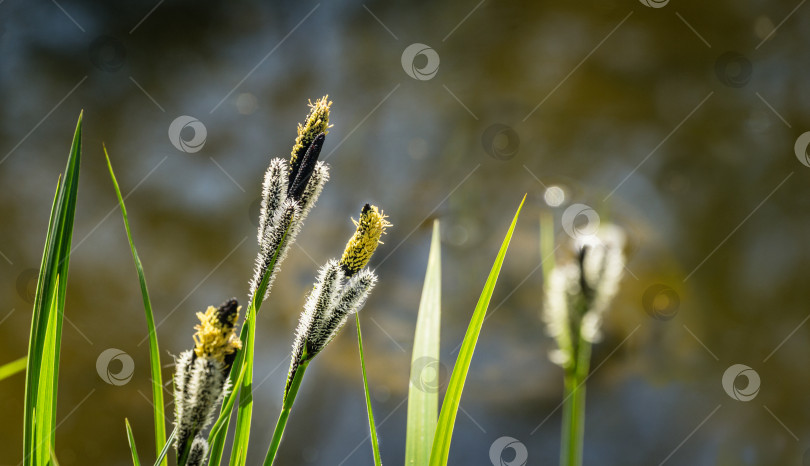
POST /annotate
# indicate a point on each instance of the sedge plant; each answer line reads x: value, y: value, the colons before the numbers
x: 214, y: 377
x: 579, y: 289
x: 341, y: 289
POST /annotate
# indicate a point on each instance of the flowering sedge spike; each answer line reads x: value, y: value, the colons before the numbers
x: 318, y: 304
x: 361, y: 246
x: 198, y: 452
x: 289, y: 192
x: 316, y: 122
x: 351, y: 299
x: 340, y: 290
x: 579, y: 292
x: 273, y: 246
x: 201, y: 376
x: 273, y: 194
x: 299, y: 183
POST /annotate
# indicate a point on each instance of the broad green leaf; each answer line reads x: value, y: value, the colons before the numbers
x: 132, y: 447
x: 47, y: 317
x: 447, y: 418
x: 423, y: 400
x: 154, y: 352
x: 10, y: 368
x: 375, y: 446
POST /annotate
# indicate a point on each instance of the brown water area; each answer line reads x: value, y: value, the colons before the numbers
x: 678, y: 121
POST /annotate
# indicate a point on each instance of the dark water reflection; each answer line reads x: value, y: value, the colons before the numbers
x: 678, y: 123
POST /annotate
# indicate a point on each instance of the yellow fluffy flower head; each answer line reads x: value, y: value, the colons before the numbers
x: 317, y: 122
x: 361, y: 246
x: 216, y: 337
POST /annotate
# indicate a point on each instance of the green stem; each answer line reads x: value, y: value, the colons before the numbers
x: 573, y: 434
x: 289, y: 399
x: 375, y: 446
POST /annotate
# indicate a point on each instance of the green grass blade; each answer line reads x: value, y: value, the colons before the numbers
x: 447, y: 418
x: 10, y: 368
x: 375, y: 446
x: 44, y: 433
x: 245, y: 409
x: 154, y: 352
x: 47, y: 317
x: 166, y: 447
x: 423, y: 401
x: 132, y: 447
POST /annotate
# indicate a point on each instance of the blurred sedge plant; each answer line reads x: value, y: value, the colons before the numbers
x: 578, y: 292
x: 341, y: 289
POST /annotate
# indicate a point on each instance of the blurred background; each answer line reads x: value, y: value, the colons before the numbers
x: 675, y: 121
